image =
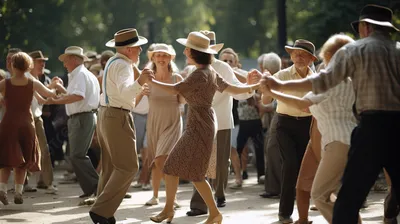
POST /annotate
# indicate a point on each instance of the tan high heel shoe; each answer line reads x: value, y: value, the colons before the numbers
x: 216, y: 220
x: 161, y: 217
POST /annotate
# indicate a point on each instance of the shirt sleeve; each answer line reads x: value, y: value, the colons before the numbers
x: 78, y: 86
x: 340, y: 67
x: 125, y: 81
x: 221, y: 83
x: 315, y: 98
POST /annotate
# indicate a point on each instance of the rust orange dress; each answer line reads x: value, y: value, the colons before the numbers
x: 18, y: 142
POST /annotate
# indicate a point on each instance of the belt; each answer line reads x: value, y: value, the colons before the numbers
x: 118, y: 108
x: 294, y: 117
x: 80, y: 113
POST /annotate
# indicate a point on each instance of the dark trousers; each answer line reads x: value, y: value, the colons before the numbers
x: 252, y: 129
x: 374, y: 144
x: 292, y: 134
x: 273, y: 169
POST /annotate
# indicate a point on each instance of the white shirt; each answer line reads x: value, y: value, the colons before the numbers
x: 36, y: 108
x: 83, y: 83
x: 223, y: 102
x: 333, y: 111
x: 143, y: 106
x: 120, y: 85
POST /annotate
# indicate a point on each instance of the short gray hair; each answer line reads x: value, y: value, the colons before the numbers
x: 260, y: 59
x: 271, y: 62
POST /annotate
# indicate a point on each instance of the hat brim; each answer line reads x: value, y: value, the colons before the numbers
x: 217, y: 47
x: 150, y: 54
x: 62, y: 57
x: 42, y: 59
x: 289, y: 50
x: 140, y: 42
x: 210, y: 50
x: 354, y: 24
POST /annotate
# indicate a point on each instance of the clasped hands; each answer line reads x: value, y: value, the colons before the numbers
x: 267, y: 82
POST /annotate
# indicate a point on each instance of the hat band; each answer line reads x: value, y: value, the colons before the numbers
x: 129, y: 41
x: 304, y: 48
x: 212, y: 42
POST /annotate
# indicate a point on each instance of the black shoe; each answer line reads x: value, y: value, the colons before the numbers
x: 127, y: 196
x: 269, y: 195
x: 85, y: 195
x: 195, y: 212
x: 97, y: 219
x: 245, y: 176
x: 285, y: 220
x: 112, y: 220
x: 221, y: 202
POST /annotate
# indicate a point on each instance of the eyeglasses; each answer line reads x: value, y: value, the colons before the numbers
x: 228, y: 61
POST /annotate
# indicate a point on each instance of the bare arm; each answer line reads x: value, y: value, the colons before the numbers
x: 165, y: 86
x: 66, y: 99
x: 181, y: 99
x: 240, y: 77
x: 293, y: 101
x: 242, y: 89
x: 61, y: 89
x: 43, y: 90
x: 40, y: 99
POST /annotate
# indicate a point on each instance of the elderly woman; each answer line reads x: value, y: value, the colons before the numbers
x: 333, y: 111
x: 189, y: 159
x: 18, y: 142
x: 164, y: 123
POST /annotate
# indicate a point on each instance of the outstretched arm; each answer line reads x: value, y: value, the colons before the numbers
x: 43, y: 90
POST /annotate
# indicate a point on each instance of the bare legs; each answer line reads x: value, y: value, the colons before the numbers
x: 19, y: 175
x: 303, y: 204
x: 157, y: 174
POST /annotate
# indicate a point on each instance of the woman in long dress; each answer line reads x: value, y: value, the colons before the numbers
x: 18, y: 142
x: 164, y: 123
x: 190, y: 156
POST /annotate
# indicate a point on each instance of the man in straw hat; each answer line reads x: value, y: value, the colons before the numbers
x: 372, y: 64
x: 46, y: 174
x: 116, y: 131
x: 293, y: 125
x: 81, y: 99
x: 222, y: 104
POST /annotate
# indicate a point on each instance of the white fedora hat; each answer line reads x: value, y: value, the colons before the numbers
x: 126, y: 38
x: 199, y: 42
x: 161, y: 48
x: 73, y: 50
x: 213, y: 39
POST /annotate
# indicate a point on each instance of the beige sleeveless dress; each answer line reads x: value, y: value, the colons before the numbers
x: 164, y: 122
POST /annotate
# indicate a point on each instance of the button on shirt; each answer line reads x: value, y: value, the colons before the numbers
x: 283, y: 108
x: 372, y: 63
x: 120, y: 84
x: 83, y: 83
x: 334, y: 114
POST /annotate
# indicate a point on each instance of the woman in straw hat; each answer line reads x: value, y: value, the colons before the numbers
x: 190, y: 156
x: 18, y: 142
x: 164, y: 123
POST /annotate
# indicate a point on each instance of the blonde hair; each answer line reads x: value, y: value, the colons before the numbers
x: 22, y: 61
x: 334, y: 43
x: 2, y: 74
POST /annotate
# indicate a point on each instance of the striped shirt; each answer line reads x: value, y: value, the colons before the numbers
x: 373, y: 64
x: 333, y: 111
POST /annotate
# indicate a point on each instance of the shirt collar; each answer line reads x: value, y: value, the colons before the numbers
x: 122, y: 56
x: 76, y: 70
x: 293, y: 71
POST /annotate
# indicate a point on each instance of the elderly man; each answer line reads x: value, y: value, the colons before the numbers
x: 372, y: 64
x: 116, y: 131
x: 81, y: 99
x: 293, y: 125
x: 222, y: 104
x: 46, y: 174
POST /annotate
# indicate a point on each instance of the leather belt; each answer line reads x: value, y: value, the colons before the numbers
x: 80, y: 113
x: 118, y: 108
x: 293, y: 117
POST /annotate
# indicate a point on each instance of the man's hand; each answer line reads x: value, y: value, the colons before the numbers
x: 146, y: 76
x: 253, y: 77
x: 272, y: 82
x: 145, y: 90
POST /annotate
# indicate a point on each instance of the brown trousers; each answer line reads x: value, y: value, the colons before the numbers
x: 119, y: 162
x: 46, y: 174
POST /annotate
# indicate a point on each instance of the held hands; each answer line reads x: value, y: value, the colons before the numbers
x: 253, y: 77
x: 145, y: 90
x: 146, y: 76
x: 268, y: 83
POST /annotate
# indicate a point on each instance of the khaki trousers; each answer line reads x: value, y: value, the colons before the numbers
x: 46, y: 174
x: 328, y: 177
x: 119, y: 163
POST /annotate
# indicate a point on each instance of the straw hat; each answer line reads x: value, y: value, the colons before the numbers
x: 303, y: 45
x: 199, y: 42
x: 377, y: 15
x: 161, y: 48
x: 213, y: 39
x: 92, y: 55
x: 38, y: 55
x: 73, y: 50
x: 126, y: 38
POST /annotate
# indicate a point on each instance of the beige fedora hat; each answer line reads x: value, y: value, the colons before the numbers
x: 126, y: 38
x: 198, y: 42
x: 38, y: 55
x: 213, y: 39
x: 303, y: 45
x: 161, y: 48
x: 73, y: 50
